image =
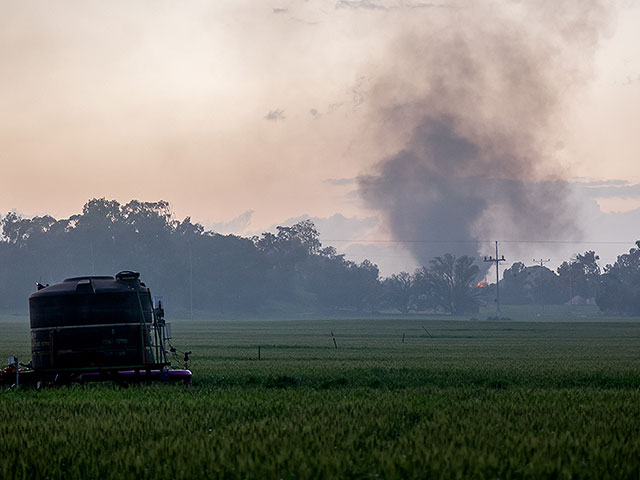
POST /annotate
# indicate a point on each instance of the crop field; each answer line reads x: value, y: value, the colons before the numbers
x: 398, y: 398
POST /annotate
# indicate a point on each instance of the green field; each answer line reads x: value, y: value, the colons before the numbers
x: 472, y: 399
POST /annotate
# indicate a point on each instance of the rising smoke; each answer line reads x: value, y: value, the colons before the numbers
x: 478, y: 98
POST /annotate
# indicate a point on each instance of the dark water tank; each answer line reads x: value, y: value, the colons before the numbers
x: 86, y: 323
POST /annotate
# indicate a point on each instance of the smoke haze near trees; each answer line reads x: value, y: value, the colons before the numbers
x: 287, y: 271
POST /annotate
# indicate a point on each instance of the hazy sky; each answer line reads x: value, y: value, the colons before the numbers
x: 272, y: 107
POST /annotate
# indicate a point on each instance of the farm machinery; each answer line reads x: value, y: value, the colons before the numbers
x: 97, y: 328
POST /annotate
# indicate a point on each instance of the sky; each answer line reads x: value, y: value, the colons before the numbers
x: 245, y: 115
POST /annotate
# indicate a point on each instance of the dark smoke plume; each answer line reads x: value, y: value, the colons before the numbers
x: 477, y: 99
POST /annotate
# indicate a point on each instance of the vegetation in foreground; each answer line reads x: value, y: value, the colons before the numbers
x: 455, y: 399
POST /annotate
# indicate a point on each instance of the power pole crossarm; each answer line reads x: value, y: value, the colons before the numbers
x: 497, y: 261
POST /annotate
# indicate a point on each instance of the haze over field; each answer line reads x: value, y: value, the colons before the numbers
x: 398, y: 126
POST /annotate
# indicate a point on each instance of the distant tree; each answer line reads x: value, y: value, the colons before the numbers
x: 545, y: 286
x: 229, y: 273
x: 580, y: 276
x: 522, y: 285
x: 291, y: 244
x: 306, y: 233
x: 450, y: 282
x: 516, y: 285
x: 286, y: 253
x: 619, y: 289
x: 18, y: 230
x: 368, y: 286
x: 192, y: 268
x: 340, y: 283
x: 398, y: 292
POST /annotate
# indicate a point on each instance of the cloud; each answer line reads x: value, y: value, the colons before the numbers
x: 598, y: 183
x: 632, y: 80
x: 337, y: 230
x: 390, y: 259
x: 237, y: 225
x: 359, y: 238
x: 372, y: 5
x: 341, y: 181
x: 360, y: 4
x: 609, y: 189
x: 275, y: 115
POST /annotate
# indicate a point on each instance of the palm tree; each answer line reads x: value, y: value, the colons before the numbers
x: 449, y: 283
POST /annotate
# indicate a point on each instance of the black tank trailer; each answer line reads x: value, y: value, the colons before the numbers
x: 96, y: 328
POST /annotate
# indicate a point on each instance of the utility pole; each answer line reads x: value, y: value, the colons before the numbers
x: 542, y: 262
x: 497, y: 261
x: 190, y: 282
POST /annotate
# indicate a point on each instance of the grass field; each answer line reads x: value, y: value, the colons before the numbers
x: 467, y: 399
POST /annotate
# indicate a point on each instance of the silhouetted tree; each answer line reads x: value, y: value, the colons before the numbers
x: 580, y: 276
x: 522, y: 285
x: 398, y: 292
x: 450, y: 282
x: 516, y: 285
x: 619, y: 290
x: 340, y: 283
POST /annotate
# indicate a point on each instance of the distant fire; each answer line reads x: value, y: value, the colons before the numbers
x: 482, y: 284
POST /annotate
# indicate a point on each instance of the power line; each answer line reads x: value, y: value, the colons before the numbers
x: 560, y: 242
x: 573, y: 242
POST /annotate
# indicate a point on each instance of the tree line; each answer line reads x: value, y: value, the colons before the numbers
x: 286, y: 271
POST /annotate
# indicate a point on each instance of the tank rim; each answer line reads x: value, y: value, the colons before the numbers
x: 89, y: 277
